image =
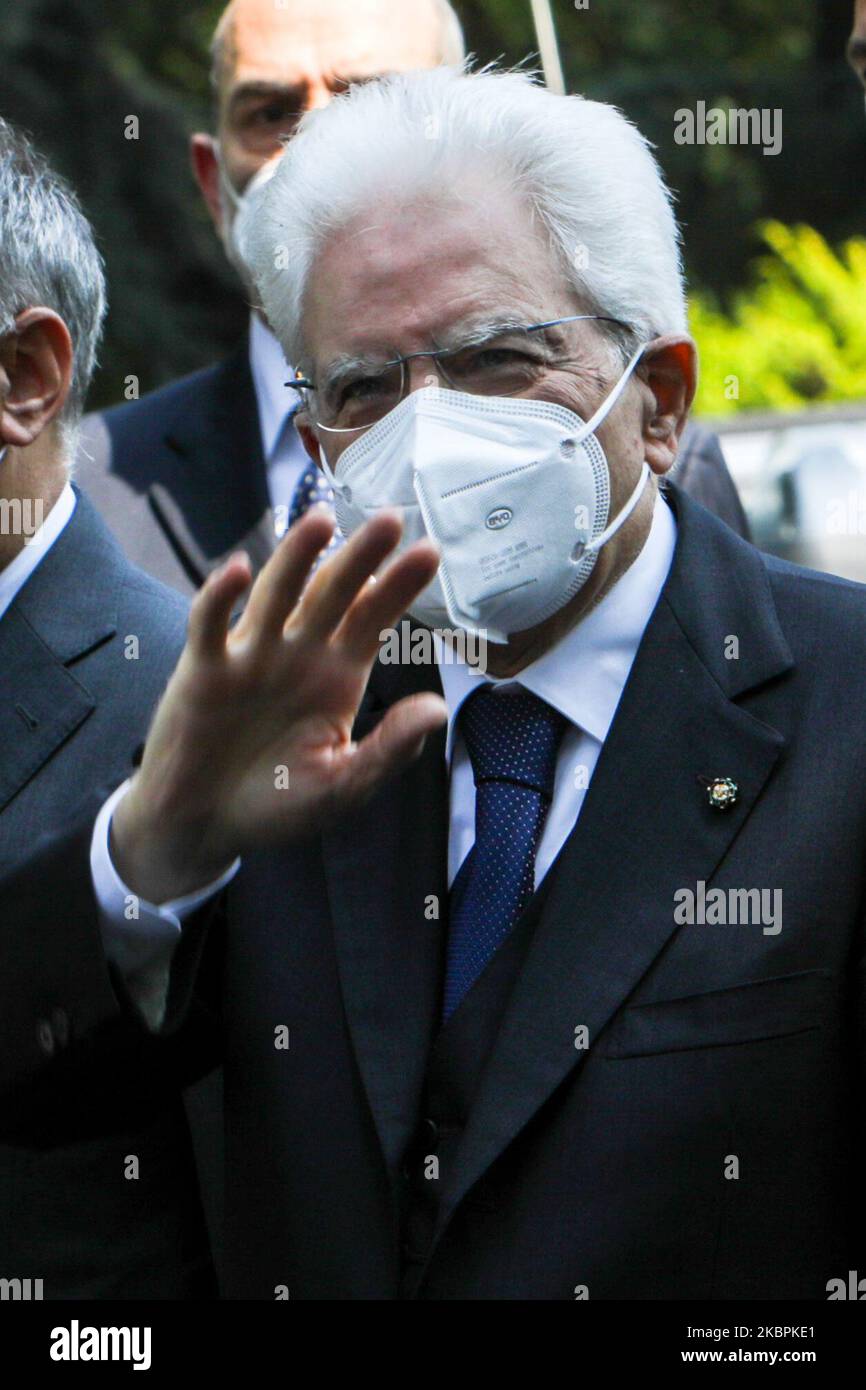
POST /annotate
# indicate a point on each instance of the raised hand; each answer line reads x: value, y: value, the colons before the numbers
x: 251, y: 743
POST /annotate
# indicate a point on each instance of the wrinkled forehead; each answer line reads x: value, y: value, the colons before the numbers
x: 403, y: 277
x: 299, y: 43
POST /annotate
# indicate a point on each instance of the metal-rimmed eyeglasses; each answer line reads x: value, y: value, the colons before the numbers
x: 505, y: 361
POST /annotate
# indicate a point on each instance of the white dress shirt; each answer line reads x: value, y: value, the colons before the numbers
x: 18, y: 571
x: 583, y: 677
x: 285, y: 456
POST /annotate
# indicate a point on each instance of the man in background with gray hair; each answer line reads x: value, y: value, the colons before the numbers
x: 570, y: 1006
x: 99, y: 1191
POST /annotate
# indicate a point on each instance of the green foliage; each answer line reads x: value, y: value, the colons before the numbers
x: 797, y: 336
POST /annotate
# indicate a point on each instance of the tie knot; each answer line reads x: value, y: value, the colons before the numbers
x: 512, y: 737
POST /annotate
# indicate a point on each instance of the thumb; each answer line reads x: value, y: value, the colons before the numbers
x: 394, y: 743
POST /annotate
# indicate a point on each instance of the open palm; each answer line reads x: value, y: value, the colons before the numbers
x: 252, y: 742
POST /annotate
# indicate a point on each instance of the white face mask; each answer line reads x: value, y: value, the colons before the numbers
x: 515, y: 492
x: 236, y: 207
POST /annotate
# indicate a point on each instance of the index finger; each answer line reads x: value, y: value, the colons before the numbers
x: 334, y: 587
x: 281, y: 582
x: 212, y: 607
x: 385, y: 603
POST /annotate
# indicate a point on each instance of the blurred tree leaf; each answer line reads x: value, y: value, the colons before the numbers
x: 795, y: 337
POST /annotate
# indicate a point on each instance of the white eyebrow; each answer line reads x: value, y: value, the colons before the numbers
x: 467, y: 334
x: 345, y: 367
x: 474, y: 331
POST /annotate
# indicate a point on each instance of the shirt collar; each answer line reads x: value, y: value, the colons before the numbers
x: 584, y: 675
x: 275, y: 400
x: 18, y: 571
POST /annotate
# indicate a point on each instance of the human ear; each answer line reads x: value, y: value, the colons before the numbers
x: 36, y: 362
x: 669, y: 368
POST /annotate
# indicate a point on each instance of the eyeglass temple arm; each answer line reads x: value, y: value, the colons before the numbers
x: 302, y: 383
x: 574, y: 318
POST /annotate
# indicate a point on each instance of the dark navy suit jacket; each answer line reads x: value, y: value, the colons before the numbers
x: 85, y: 650
x: 708, y: 1141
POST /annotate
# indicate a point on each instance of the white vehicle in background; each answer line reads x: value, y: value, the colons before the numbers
x: 802, y: 481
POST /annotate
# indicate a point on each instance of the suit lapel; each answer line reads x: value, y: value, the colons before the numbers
x: 257, y: 541
x: 41, y: 634
x: 646, y: 828
x: 43, y: 704
x: 216, y: 498
x: 386, y: 866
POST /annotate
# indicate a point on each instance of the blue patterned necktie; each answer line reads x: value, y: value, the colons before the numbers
x: 314, y: 487
x: 513, y: 742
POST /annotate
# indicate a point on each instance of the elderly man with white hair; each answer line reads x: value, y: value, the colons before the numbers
x: 541, y: 976
x: 211, y: 463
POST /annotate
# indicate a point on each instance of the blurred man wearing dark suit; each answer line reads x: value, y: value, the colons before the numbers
x: 212, y: 463
x: 99, y: 1190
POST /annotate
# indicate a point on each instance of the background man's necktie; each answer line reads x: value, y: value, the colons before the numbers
x: 512, y: 741
x: 313, y: 487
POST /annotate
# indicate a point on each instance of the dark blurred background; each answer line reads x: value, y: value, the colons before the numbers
x: 72, y: 71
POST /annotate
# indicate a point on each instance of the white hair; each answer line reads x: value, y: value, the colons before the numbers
x: 584, y: 170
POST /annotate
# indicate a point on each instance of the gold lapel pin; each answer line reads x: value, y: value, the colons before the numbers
x: 722, y: 793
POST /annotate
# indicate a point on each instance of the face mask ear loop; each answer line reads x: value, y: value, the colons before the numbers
x: 367, y: 441
x: 326, y: 469
x: 239, y: 201
x: 610, y: 401
x: 624, y: 514
x: 336, y: 485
